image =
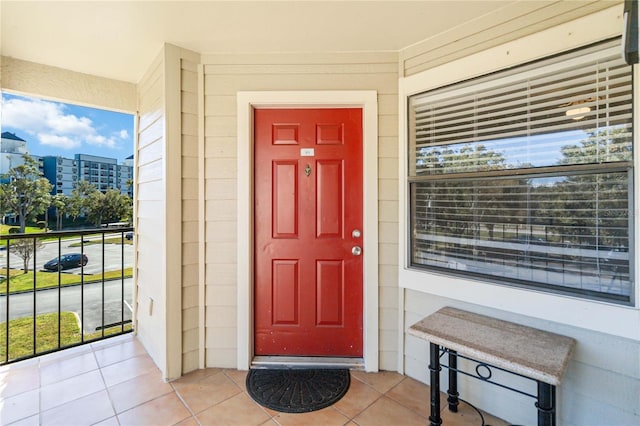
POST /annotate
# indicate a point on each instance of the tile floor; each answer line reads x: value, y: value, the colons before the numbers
x: 115, y: 382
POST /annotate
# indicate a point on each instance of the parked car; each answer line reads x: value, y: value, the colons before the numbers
x: 67, y: 261
x: 129, y: 235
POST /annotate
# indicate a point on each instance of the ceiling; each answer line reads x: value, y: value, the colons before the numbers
x: 119, y: 39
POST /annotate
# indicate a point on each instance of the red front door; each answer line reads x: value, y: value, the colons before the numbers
x: 308, y: 230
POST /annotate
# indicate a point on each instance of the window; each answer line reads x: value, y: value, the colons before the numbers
x: 525, y: 177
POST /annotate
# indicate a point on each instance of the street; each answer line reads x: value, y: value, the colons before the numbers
x: 112, y: 256
x: 21, y: 305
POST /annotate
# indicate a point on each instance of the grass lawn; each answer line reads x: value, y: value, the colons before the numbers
x: 23, y: 282
x: 4, y: 229
x: 21, y: 334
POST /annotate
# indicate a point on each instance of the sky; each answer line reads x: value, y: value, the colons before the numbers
x: 56, y: 128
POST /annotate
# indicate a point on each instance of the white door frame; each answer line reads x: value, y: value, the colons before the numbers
x: 247, y: 101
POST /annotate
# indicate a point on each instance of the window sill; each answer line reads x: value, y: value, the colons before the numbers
x: 592, y: 315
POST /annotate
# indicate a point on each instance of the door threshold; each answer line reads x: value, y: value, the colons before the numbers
x: 307, y: 362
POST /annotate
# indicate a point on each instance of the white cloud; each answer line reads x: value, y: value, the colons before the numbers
x: 99, y: 140
x: 52, y: 126
x: 124, y: 134
x: 63, y: 142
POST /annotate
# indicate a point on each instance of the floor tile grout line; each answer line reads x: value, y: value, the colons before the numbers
x: 177, y: 392
x: 150, y: 400
x: 179, y: 396
x: 245, y: 391
x: 404, y: 404
x: 106, y: 388
x: 39, y: 392
x: 113, y: 407
x: 380, y: 395
x: 69, y: 402
x: 232, y: 375
x: 76, y: 374
x: 141, y: 403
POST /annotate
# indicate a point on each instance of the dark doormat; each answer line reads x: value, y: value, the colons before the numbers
x: 297, y: 390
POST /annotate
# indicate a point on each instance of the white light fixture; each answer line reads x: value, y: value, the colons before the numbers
x: 578, y: 109
x: 578, y: 113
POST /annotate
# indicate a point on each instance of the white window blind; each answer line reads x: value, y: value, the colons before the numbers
x: 525, y: 176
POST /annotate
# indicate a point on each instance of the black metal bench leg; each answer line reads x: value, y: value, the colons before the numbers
x: 434, y: 368
x: 453, y: 382
x: 546, y: 404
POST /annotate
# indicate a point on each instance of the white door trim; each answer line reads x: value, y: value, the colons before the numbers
x: 246, y: 102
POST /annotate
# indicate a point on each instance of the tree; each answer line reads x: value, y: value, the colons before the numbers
x: 99, y: 207
x: 62, y: 204
x: 458, y: 206
x: 25, y: 248
x: 75, y: 202
x: 591, y: 202
x: 27, y: 193
x: 129, y: 184
x: 115, y: 206
x: 3, y: 203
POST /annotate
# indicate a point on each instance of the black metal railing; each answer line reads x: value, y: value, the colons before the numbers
x: 64, y: 289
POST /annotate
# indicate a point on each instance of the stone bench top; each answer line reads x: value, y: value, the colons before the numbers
x: 533, y: 353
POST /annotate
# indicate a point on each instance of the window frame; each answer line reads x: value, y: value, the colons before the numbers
x: 607, y: 317
x: 531, y: 73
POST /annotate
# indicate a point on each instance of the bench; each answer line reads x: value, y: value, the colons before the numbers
x: 491, y: 343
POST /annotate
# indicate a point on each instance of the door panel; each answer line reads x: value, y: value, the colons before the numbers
x: 329, y: 207
x: 308, y: 199
x: 285, y: 199
x: 285, y: 290
x: 330, y: 306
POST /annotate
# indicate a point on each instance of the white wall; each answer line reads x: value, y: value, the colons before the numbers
x: 150, y: 218
x: 191, y: 213
x: 602, y: 383
x: 163, y: 130
x: 67, y: 86
x: 225, y: 75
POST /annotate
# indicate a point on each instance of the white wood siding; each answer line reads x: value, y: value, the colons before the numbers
x: 519, y: 19
x: 602, y: 383
x: 190, y: 216
x: 67, y: 86
x: 151, y: 216
x: 224, y: 76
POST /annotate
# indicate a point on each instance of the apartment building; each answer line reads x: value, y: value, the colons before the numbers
x: 103, y: 172
x: 61, y: 172
x: 12, y: 150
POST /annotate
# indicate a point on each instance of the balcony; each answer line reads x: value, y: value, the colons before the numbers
x: 102, y: 373
x: 99, y: 372
x: 63, y: 289
x: 114, y: 381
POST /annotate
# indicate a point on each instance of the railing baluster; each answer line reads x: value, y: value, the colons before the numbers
x: 48, y: 294
x: 103, y: 284
x: 6, y: 354
x: 35, y: 312
x: 59, y: 290
x: 122, y: 282
x: 82, y: 289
